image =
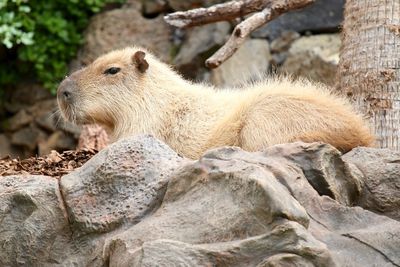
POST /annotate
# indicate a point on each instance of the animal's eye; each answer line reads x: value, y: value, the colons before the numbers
x: 112, y: 70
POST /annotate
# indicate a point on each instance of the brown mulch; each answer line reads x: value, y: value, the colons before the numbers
x: 54, y: 164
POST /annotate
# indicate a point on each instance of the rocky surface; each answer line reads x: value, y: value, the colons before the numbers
x: 321, y: 16
x: 249, y: 63
x: 197, y: 43
x: 137, y: 203
x: 190, y: 4
x: 35, y: 126
x: 379, y: 171
x: 124, y: 27
x: 314, y: 57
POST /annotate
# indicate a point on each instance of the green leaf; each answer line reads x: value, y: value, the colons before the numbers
x: 45, y: 35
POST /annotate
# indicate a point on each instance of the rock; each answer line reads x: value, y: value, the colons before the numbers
x: 249, y: 63
x: 19, y: 120
x: 152, y: 8
x: 314, y: 57
x: 34, y: 228
x: 200, y: 199
x: 283, y: 42
x: 281, y: 246
x: 280, y: 46
x: 24, y: 95
x: 28, y: 137
x: 324, y: 169
x: 56, y: 141
x: 120, y: 28
x: 48, y: 121
x: 321, y: 16
x: 28, y: 114
x: 379, y: 170
x: 42, y: 107
x: 7, y: 149
x: 190, y: 4
x: 354, y: 236
x: 198, y: 41
x: 137, y: 203
x: 122, y: 183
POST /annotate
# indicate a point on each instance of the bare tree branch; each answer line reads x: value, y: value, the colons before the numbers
x: 219, y: 12
x: 238, y: 37
x: 267, y: 10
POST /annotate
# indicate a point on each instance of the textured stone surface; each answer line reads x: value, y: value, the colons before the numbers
x: 24, y: 95
x: 282, y: 245
x: 197, y: 42
x: 199, y: 202
x: 33, y: 225
x: 7, y: 149
x: 19, y: 120
x: 58, y: 141
x: 354, y: 236
x: 190, y: 4
x: 37, y: 128
x: 139, y: 204
x: 315, y: 57
x: 124, y: 27
x: 284, y: 41
x: 153, y: 7
x: 324, y: 168
x: 380, y: 173
x: 123, y: 182
x: 321, y: 16
x: 250, y: 62
x: 28, y: 137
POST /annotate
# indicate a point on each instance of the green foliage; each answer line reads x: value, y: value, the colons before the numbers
x: 44, y: 36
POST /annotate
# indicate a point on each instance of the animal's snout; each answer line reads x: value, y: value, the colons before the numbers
x: 65, y: 94
x: 66, y: 90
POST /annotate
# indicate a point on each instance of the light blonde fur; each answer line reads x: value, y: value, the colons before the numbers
x: 192, y: 118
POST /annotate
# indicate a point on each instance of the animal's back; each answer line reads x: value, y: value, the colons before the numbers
x: 282, y: 111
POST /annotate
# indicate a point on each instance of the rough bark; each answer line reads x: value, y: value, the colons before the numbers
x: 369, y: 68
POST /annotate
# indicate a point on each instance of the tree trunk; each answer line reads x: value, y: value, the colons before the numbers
x: 369, y: 68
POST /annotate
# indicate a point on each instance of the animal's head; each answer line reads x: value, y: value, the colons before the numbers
x: 96, y: 93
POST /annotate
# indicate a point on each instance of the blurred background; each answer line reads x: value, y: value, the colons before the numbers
x: 43, y: 41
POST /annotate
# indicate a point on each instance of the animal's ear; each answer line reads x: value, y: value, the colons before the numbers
x: 140, y: 62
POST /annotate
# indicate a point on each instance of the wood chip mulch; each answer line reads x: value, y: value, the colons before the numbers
x: 54, y: 164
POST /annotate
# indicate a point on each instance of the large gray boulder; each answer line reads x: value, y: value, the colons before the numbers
x: 137, y: 203
x: 33, y: 226
x: 250, y: 63
x: 320, y: 16
x: 120, y: 184
x: 315, y: 57
x: 379, y: 172
x: 120, y: 28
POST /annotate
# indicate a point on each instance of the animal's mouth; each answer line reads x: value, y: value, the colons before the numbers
x: 67, y: 98
x: 69, y: 112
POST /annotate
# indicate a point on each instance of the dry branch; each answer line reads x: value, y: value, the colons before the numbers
x: 219, y: 12
x: 266, y: 10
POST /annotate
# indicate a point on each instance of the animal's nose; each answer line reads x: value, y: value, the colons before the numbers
x: 65, y: 90
x: 66, y: 94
